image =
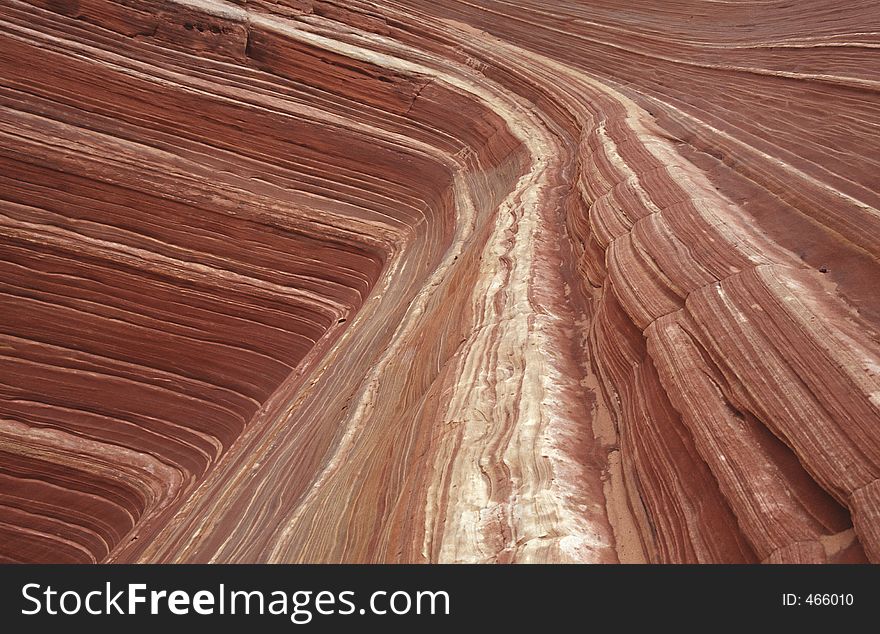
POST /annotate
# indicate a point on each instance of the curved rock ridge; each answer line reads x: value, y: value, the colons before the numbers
x: 405, y: 281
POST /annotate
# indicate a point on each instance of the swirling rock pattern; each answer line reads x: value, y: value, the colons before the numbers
x: 409, y: 281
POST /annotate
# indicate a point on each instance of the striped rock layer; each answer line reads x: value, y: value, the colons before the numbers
x: 409, y: 281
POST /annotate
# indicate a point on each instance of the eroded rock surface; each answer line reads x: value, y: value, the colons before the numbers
x: 439, y: 281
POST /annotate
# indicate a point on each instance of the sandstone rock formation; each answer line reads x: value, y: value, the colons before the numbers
x: 408, y: 281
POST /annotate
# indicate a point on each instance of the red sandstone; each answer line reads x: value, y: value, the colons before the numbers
x: 439, y: 281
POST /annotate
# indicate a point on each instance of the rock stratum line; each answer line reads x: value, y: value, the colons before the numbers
x: 471, y: 281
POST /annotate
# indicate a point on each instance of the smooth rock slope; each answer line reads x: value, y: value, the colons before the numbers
x: 412, y: 281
